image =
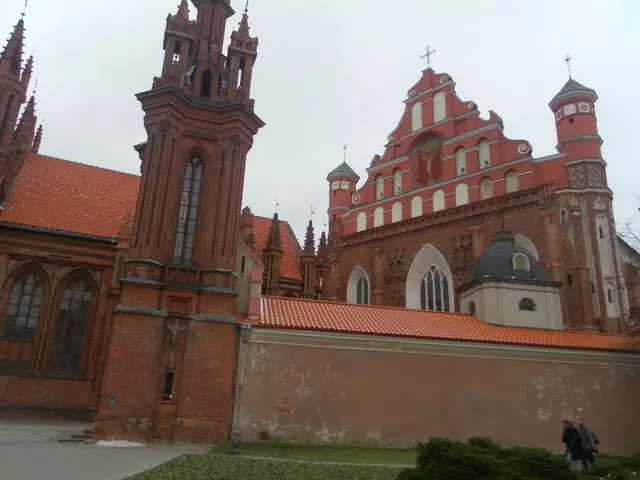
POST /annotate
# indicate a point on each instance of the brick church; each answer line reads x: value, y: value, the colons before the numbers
x: 160, y: 308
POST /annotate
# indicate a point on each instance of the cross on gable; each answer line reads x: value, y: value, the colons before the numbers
x: 427, y: 54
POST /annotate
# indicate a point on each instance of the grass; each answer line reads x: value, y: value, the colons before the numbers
x: 226, y: 467
x: 325, y: 453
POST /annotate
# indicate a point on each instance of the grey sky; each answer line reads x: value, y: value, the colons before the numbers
x: 331, y: 72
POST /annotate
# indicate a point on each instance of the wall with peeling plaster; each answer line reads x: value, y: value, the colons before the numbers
x: 314, y: 387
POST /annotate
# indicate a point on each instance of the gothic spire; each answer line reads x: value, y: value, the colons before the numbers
x: 273, y: 241
x: 12, y: 52
x: 26, y: 73
x: 37, y: 141
x: 322, y: 248
x: 309, y: 240
x: 183, y: 11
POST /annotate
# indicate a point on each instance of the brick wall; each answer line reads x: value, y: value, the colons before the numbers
x: 315, y: 387
x: 45, y: 393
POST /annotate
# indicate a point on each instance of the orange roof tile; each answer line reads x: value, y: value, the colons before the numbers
x: 61, y: 196
x: 292, y: 313
x: 290, y: 263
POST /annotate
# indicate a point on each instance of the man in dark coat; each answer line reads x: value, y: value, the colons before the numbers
x: 571, y: 438
x: 589, y: 442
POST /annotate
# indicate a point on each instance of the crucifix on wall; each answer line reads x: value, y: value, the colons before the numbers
x: 175, y: 330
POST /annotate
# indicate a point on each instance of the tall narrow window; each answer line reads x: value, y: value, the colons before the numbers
x: 243, y: 264
x: 461, y: 161
x: 434, y: 290
x: 21, y: 315
x: 167, y: 393
x: 416, y: 207
x: 71, y: 327
x: 361, y: 221
x: 186, y: 226
x: 483, y: 154
x: 363, y: 291
x: 396, y: 212
x: 176, y: 52
x: 397, y: 181
x: 511, y: 183
x: 205, y: 88
x: 379, y: 187
x: 241, y: 74
x: 486, y: 188
x: 439, y: 107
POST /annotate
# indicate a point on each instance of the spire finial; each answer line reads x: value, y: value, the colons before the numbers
x: 24, y: 10
x: 277, y: 205
x: 344, y: 153
x: 246, y: 8
x: 311, y: 213
x: 568, y: 59
x: 427, y: 54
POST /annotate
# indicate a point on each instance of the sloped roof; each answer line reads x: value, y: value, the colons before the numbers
x: 59, y: 196
x: 290, y: 262
x: 572, y: 87
x: 292, y: 313
x: 343, y: 170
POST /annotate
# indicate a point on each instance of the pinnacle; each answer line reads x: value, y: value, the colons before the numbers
x: 183, y: 11
x: 12, y: 52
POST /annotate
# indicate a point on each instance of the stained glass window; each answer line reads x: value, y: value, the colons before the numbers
x: 186, y: 226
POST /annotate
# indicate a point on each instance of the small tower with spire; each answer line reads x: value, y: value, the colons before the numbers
x: 342, y: 185
x: 271, y: 257
x: 308, y: 263
x: 322, y: 264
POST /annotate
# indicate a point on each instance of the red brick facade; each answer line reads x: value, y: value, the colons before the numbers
x: 451, y: 179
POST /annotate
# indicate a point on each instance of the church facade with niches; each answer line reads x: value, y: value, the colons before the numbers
x: 449, y: 180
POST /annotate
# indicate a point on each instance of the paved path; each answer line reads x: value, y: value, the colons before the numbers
x: 32, y: 452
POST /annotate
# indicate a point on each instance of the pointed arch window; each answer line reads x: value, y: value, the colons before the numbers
x: 71, y: 327
x: 186, y: 226
x: 23, y: 309
x: 358, y: 287
x: 434, y: 290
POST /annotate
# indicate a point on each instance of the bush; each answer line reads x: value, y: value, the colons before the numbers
x: 483, y: 459
x: 632, y: 463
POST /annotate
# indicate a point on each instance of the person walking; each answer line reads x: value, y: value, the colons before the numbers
x: 574, y: 451
x: 589, y: 443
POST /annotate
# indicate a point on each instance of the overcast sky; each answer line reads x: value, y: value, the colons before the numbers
x: 334, y: 72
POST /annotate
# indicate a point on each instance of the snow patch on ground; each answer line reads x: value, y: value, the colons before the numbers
x: 118, y: 444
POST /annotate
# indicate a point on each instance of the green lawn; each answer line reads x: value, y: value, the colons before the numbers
x: 325, y: 453
x: 226, y: 467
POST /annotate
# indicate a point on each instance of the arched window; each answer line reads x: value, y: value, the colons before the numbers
x: 527, y: 305
x: 378, y: 217
x: 471, y: 308
x: 416, y: 116
x: 434, y: 290
x: 462, y: 194
x: 521, y: 262
x: 438, y: 200
x: 186, y: 225
x: 397, y: 181
x: 71, y: 327
x: 361, y: 222
x: 23, y: 308
x: 511, y: 182
x: 486, y: 188
x: 396, y: 212
x: 564, y: 217
x: 483, y: 154
x: 439, y: 107
x: 379, y: 187
x: 416, y: 207
x: 429, y: 282
x: 205, y: 88
x: 461, y: 161
x: 358, y: 287
x: 527, y: 244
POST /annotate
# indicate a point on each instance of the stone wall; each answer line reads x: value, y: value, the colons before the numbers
x: 321, y: 387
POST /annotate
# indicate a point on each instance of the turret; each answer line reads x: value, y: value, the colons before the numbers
x: 308, y: 261
x: 271, y: 255
x: 178, y: 43
x: 576, y: 125
x: 322, y: 263
x: 242, y: 55
x: 342, y: 184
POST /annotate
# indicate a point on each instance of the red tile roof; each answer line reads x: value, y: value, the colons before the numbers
x: 290, y: 263
x: 58, y: 195
x: 292, y: 313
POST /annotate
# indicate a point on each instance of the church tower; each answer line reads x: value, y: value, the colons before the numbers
x: 174, y: 338
x: 16, y: 136
x: 585, y: 220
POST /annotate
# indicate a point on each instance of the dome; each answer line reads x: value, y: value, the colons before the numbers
x: 505, y: 259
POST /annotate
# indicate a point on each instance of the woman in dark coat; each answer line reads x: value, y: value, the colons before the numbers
x: 571, y: 438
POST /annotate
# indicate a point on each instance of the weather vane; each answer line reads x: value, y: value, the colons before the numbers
x: 567, y: 60
x: 344, y: 152
x: 427, y: 54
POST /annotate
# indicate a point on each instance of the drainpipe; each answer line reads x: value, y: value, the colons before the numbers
x: 245, y: 336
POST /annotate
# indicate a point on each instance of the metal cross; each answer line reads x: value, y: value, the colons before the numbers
x: 427, y: 54
x: 311, y: 212
x: 246, y: 7
x: 344, y: 153
x: 24, y: 11
x: 277, y: 204
x: 568, y: 59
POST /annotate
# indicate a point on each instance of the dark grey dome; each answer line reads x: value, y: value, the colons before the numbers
x: 497, y: 262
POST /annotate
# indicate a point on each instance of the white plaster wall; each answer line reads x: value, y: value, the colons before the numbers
x: 498, y: 303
